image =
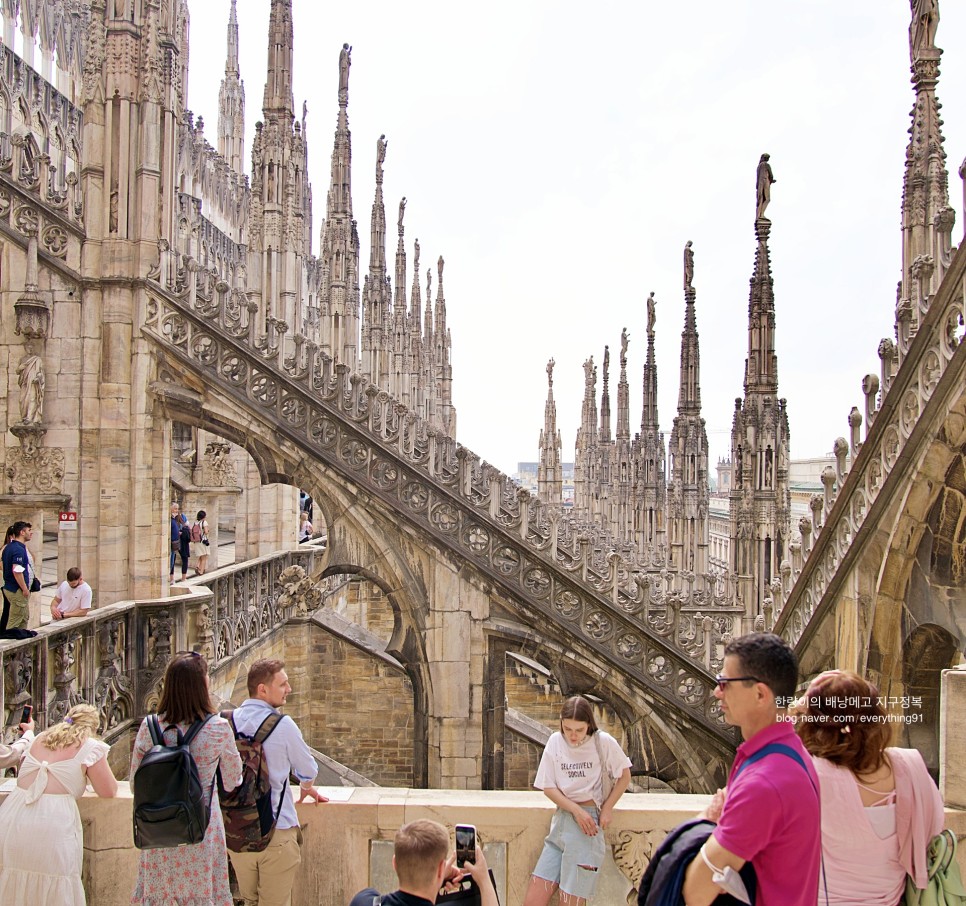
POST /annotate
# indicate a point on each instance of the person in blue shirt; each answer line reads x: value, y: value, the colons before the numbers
x: 178, y: 521
x: 267, y: 877
x: 16, y: 578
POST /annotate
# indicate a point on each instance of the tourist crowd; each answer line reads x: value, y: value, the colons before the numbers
x: 818, y: 809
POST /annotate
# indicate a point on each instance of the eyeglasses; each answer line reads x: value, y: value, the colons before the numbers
x: 723, y: 681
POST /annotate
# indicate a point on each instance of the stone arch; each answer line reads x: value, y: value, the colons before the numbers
x: 360, y: 543
x: 655, y: 739
x: 406, y: 646
x: 921, y: 580
x: 926, y: 652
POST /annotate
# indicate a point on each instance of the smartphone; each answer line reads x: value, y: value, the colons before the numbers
x: 27, y: 711
x: 465, y: 844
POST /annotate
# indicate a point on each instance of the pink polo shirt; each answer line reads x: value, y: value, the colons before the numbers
x: 772, y: 819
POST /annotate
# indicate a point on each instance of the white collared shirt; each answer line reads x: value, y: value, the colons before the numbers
x: 286, y: 752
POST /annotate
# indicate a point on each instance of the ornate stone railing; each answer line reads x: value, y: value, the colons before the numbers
x: 42, y: 164
x: 115, y: 657
x: 856, y: 496
x: 631, y: 620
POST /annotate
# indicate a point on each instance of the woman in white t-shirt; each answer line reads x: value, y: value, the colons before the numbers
x: 571, y: 775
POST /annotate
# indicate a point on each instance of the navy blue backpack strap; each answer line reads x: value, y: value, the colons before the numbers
x: 779, y: 748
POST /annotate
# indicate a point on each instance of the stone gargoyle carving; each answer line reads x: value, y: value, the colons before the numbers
x: 299, y: 591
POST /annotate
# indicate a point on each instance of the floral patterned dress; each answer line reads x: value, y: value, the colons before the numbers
x: 191, y: 875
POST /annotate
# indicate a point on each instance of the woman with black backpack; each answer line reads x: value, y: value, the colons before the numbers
x: 182, y: 841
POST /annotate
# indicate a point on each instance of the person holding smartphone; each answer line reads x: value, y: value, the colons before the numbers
x: 424, y: 865
x: 575, y: 765
x: 12, y: 755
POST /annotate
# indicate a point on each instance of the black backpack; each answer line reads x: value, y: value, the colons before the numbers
x: 171, y: 807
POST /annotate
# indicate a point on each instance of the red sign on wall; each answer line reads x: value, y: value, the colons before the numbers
x: 68, y: 520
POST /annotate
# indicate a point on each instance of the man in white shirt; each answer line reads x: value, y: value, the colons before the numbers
x: 266, y: 878
x: 73, y: 598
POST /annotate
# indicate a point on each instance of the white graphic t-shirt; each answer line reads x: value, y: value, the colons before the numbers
x: 576, y: 770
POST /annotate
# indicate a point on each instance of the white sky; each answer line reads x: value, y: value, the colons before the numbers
x: 559, y: 155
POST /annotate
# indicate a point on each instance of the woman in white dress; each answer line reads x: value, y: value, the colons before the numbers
x: 42, y: 807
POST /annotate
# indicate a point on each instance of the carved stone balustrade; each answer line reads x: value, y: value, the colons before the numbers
x: 115, y: 657
x: 931, y: 369
x: 43, y: 168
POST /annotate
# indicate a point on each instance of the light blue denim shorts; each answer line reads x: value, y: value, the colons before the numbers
x: 566, y: 849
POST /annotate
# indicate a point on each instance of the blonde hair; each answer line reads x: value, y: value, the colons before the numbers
x: 419, y: 848
x: 77, y: 727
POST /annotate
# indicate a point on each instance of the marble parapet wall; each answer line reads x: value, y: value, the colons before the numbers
x: 347, y: 844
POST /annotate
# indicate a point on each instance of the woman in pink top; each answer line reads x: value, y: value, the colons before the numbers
x: 880, y: 807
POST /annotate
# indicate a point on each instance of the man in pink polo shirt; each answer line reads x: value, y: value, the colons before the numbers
x: 770, y: 815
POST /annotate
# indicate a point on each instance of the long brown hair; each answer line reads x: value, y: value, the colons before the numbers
x: 578, y: 708
x: 841, y: 718
x: 185, y: 697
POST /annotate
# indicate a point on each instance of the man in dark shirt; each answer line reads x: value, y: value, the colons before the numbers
x: 16, y: 578
x: 178, y: 547
x: 423, y: 863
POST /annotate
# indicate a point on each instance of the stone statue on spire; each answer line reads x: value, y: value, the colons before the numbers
x: 922, y: 30
x: 651, y: 314
x: 345, y: 61
x: 625, y: 339
x: 764, y: 180
x: 381, y: 145
x: 588, y: 371
x: 439, y: 267
x: 402, y: 211
x: 688, y: 265
x: 550, y: 365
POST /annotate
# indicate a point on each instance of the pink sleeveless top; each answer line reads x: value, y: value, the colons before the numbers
x: 863, y: 868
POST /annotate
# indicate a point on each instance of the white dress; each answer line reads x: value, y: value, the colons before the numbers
x: 51, y: 873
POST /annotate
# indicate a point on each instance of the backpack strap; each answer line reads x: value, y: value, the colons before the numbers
x: 157, y: 732
x: 265, y: 729
x: 779, y: 748
x: 154, y: 728
x: 270, y: 722
x: 194, y: 730
x: 230, y: 717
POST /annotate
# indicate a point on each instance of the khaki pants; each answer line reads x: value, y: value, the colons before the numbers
x: 266, y: 878
x: 18, y: 608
